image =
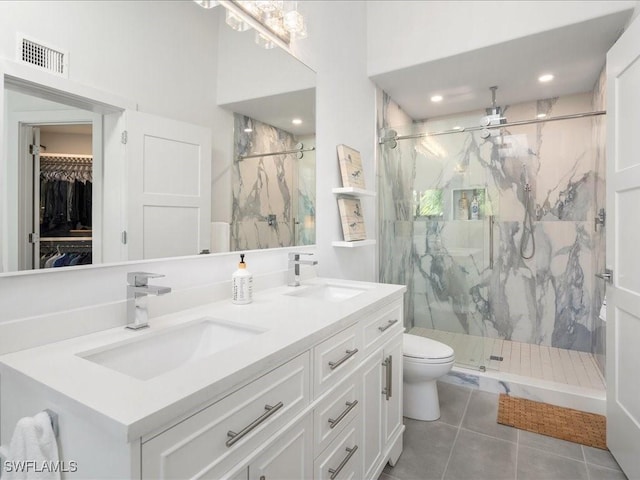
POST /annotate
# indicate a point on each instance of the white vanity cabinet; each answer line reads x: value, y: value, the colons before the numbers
x: 326, y: 405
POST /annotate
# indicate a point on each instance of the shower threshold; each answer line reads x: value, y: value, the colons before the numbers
x: 558, y: 376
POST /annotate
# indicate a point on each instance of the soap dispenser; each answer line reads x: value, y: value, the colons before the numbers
x: 242, y: 284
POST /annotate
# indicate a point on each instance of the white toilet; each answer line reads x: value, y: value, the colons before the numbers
x: 425, y: 360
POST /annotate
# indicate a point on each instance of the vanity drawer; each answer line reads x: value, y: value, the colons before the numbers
x: 335, y: 359
x: 382, y: 326
x: 335, y: 411
x: 342, y: 459
x: 204, y: 445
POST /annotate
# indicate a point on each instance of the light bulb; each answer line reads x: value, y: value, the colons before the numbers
x: 264, y: 41
x: 236, y: 22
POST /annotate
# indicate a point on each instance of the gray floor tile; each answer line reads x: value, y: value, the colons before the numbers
x: 453, y: 401
x: 482, y: 414
x: 551, y: 445
x: 427, y: 446
x: 478, y: 457
x: 600, y: 457
x: 535, y: 464
x: 601, y: 473
x: 384, y: 476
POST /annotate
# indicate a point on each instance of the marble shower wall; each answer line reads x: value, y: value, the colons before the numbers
x: 273, y: 197
x: 549, y: 299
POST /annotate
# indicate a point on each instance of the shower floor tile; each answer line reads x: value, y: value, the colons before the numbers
x: 552, y: 364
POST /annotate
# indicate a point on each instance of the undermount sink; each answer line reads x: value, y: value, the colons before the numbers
x: 327, y: 292
x: 155, y: 354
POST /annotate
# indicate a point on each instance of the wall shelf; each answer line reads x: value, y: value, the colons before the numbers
x: 358, y: 192
x: 354, y: 244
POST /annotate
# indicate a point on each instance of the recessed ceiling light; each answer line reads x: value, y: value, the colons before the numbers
x: 296, y: 121
x: 541, y: 115
x: 547, y: 77
x: 457, y: 127
x: 436, y: 98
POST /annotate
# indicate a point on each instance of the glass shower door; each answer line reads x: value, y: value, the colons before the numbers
x: 436, y: 212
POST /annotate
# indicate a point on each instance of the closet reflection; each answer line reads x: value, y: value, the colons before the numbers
x: 63, y: 192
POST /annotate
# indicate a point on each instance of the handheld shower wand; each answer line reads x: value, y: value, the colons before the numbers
x: 527, y: 222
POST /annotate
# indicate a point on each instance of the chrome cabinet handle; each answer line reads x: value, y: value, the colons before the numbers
x: 389, y: 324
x: 387, y: 391
x: 335, y: 472
x: 350, y: 353
x: 350, y: 406
x: 270, y: 410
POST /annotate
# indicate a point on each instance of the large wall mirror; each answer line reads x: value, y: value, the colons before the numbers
x: 236, y: 177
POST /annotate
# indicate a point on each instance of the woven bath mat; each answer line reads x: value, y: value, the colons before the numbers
x: 558, y: 422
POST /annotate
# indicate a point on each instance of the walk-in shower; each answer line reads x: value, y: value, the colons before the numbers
x: 514, y: 283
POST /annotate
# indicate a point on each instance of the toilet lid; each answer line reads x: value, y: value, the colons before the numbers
x: 416, y: 346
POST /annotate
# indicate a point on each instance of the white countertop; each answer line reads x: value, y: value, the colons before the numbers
x: 131, y: 408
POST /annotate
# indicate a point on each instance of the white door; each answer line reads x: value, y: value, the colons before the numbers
x: 623, y: 256
x: 168, y: 199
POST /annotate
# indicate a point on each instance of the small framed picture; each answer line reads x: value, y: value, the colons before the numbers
x: 350, y: 167
x: 352, y: 219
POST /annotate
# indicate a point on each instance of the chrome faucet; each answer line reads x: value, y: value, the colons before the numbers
x: 138, y: 290
x: 293, y: 275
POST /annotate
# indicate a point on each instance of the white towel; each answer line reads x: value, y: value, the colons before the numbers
x: 34, y: 445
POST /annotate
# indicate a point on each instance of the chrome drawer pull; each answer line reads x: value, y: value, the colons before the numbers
x: 336, y: 472
x: 388, y: 325
x: 234, y: 437
x: 350, y: 353
x: 350, y: 406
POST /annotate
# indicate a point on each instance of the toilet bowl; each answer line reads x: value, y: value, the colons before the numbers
x: 425, y: 360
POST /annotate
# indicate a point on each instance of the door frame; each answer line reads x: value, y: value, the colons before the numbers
x: 18, y: 246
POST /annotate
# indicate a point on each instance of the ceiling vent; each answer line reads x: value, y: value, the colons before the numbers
x: 37, y: 54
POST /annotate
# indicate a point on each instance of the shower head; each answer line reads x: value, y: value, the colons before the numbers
x: 494, y: 112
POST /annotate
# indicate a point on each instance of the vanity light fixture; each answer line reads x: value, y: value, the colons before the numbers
x: 437, y: 98
x: 249, y: 126
x: 547, y: 77
x: 268, y: 17
x: 296, y: 121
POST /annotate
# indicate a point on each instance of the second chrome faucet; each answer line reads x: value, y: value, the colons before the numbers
x: 293, y: 274
x: 138, y: 289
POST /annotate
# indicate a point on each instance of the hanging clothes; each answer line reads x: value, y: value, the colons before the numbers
x: 65, y: 194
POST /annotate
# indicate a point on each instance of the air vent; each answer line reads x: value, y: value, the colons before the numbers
x: 45, y: 57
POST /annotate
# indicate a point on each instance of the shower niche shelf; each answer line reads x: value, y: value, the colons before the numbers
x: 458, y: 198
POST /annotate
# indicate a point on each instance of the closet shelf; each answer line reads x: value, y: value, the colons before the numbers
x: 66, y: 239
x: 354, y: 244
x: 353, y: 191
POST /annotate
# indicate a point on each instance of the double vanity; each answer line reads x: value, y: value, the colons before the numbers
x: 303, y: 383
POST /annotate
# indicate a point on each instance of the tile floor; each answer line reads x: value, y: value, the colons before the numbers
x: 537, y: 361
x: 467, y: 443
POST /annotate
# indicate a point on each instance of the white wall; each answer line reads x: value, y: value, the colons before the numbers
x: 345, y: 106
x: 405, y: 33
